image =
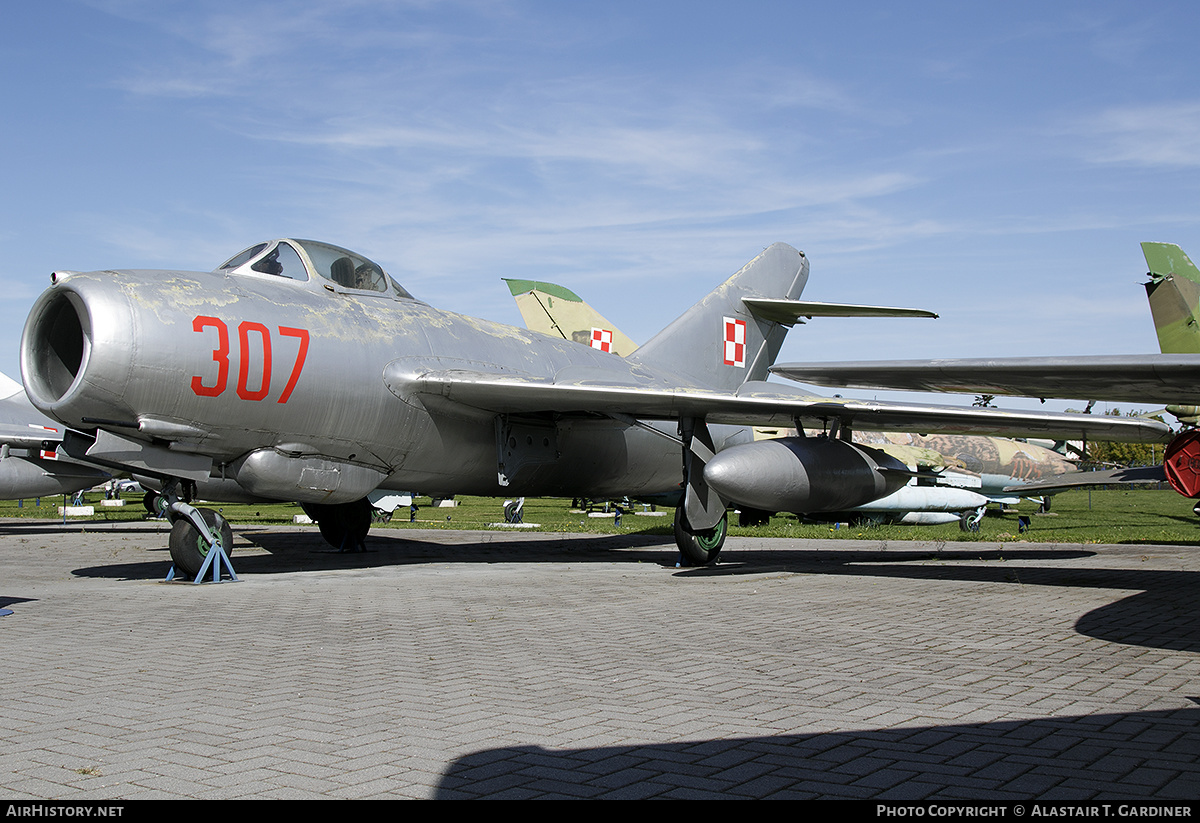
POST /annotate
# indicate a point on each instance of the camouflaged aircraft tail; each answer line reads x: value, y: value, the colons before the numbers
x: 719, y: 343
x: 1174, y: 295
x: 559, y: 312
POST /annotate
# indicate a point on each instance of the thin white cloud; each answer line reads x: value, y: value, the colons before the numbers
x: 1166, y: 134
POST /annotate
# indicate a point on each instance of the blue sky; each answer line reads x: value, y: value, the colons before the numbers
x: 995, y: 162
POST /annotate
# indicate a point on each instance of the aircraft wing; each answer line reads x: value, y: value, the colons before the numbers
x: 1079, y: 480
x: 21, y: 425
x: 29, y: 436
x: 755, y: 403
x: 1149, y: 378
x: 18, y: 429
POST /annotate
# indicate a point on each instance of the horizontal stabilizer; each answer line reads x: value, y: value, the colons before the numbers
x: 788, y: 312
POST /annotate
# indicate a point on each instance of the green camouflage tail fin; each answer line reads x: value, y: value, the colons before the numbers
x: 560, y: 312
x: 1174, y: 295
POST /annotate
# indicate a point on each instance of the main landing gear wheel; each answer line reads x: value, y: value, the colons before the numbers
x: 344, y: 526
x: 700, y: 548
x: 189, y: 548
x: 154, y: 504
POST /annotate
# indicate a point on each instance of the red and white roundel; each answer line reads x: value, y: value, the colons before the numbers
x: 735, y: 342
x: 602, y: 339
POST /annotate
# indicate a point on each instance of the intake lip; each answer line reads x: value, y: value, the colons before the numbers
x: 55, y: 348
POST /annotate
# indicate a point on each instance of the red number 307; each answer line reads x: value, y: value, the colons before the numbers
x: 248, y: 351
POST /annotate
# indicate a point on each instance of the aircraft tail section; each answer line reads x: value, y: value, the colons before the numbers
x: 1174, y: 295
x: 559, y: 312
x: 721, y: 342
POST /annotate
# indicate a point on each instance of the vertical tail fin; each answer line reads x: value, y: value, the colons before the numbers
x: 1174, y: 295
x: 719, y: 343
x: 559, y: 312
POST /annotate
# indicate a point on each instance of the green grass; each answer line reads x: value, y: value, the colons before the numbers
x: 1099, y: 516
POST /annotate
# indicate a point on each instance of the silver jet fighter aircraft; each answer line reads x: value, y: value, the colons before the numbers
x: 302, y: 372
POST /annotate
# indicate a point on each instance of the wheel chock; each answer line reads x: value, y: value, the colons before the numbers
x: 216, y: 553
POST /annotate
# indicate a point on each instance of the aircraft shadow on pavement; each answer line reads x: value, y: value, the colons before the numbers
x: 1151, y: 755
x: 305, y: 550
x: 398, y: 547
x: 1161, y: 613
x: 31, y: 527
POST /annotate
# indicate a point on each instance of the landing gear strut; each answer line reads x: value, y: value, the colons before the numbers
x: 698, y: 546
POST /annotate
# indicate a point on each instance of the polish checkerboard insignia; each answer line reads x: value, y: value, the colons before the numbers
x: 602, y: 339
x: 735, y: 342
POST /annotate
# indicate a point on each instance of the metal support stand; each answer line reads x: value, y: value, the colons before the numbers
x: 178, y: 508
x: 216, y: 553
x: 514, y: 511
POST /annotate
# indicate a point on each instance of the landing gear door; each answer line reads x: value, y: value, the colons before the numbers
x: 701, y: 505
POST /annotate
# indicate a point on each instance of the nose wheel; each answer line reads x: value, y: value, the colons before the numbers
x: 190, y: 548
x: 201, y: 539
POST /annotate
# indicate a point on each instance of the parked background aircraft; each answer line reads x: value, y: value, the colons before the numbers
x: 559, y: 312
x: 303, y: 372
x: 29, y: 463
x: 1171, y: 378
x: 1174, y: 294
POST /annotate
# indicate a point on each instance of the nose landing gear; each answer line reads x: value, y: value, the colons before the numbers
x: 201, y: 539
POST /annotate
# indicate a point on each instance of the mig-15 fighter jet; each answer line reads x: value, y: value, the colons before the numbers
x: 302, y: 372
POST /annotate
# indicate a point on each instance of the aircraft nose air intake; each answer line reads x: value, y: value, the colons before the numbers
x: 76, y: 360
x: 56, y: 346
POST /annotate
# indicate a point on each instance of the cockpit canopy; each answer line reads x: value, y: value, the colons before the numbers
x: 303, y: 260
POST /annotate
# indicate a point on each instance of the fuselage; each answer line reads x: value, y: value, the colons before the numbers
x: 263, y: 374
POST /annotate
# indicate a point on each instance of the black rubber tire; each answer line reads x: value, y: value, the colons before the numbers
x: 153, y: 504
x: 189, y: 549
x: 344, y: 526
x: 700, y: 548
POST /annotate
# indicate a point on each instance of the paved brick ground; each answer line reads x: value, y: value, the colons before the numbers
x: 467, y: 664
